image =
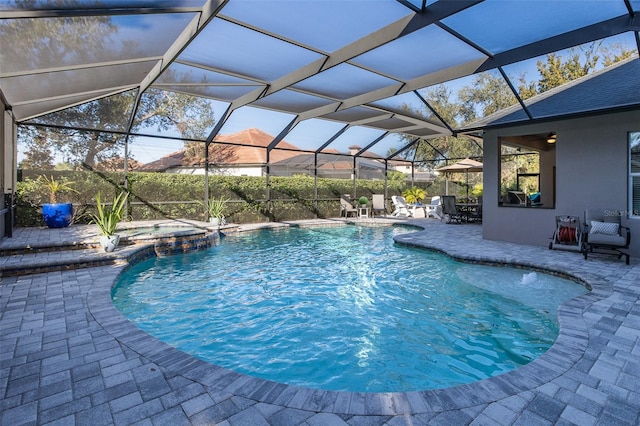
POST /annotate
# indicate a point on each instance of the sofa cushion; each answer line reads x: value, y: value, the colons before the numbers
x: 605, y: 239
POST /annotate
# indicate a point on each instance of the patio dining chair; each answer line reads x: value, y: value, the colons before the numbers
x: 450, y: 212
x: 605, y: 234
x: 346, y: 208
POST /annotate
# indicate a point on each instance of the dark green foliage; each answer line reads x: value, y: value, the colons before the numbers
x: 164, y: 195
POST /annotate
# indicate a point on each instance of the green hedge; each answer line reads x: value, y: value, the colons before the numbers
x: 163, y: 195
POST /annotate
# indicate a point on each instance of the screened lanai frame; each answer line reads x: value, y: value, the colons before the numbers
x: 343, y: 62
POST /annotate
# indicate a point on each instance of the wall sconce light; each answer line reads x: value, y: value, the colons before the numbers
x: 552, y: 138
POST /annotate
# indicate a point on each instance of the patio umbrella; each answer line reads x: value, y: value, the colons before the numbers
x: 463, y: 166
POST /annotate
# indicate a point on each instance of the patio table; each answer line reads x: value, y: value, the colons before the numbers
x: 469, y: 211
x: 363, y: 212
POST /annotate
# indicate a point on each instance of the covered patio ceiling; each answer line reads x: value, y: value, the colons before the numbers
x: 360, y: 63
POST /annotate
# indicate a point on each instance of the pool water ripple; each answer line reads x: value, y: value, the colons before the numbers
x: 344, y: 308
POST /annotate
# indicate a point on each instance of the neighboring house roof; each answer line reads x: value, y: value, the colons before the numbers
x: 398, y: 163
x: 254, y: 141
x: 614, y: 85
x: 250, y: 149
x: 175, y: 159
x: 328, y: 161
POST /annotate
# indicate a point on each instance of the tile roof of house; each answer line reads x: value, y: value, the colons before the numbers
x: 253, y: 142
x: 247, y: 147
x: 249, y: 150
x: 328, y: 161
x: 175, y: 159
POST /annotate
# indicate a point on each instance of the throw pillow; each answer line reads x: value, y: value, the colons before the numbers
x: 606, y: 228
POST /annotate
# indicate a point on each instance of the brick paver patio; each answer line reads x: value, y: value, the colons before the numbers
x: 69, y: 357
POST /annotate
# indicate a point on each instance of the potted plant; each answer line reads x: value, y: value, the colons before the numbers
x: 216, y: 210
x: 363, y: 201
x: 414, y: 195
x: 56, y: 215
x: 107, y: 219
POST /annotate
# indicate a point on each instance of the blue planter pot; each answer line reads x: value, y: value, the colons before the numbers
x: 57, y: 215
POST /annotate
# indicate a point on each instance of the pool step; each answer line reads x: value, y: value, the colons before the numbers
x: 48, y: 248
x: 36, y: 259
x: 62, y: 260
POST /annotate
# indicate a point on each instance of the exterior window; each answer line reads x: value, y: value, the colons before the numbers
x: 527, y: 171
x: 634, y: 174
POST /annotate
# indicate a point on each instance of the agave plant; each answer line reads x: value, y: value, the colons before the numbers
x: 108, y: 217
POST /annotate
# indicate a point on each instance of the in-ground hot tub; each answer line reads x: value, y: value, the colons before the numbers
x: 168, y: 239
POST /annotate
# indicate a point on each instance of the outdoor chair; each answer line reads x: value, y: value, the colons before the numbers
x: 434, y: 209
x: 378, y: 205
x: 346, y: 208
x: 515, y: 198
x: 400, y: 205
x: 450, y: 212
x: 605, y: 234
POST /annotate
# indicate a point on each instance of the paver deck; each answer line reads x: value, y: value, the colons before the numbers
x: 67, y: 356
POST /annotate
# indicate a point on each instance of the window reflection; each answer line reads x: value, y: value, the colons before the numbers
x: 527, y: 171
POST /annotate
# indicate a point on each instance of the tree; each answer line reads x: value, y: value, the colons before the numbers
x: 452, y: 113
x: 557, y: 70
x: 190, y: 115
x: 44, y: 43
x: 488, y: 93
x: 35, y: 157
x: 615, y: 53
x: 40, y: 43
x: 90, y: 147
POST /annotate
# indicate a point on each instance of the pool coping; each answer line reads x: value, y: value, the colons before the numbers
x: 87, y: 251
x: 568, y: 349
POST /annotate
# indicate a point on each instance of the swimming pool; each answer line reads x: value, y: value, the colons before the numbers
x: 344, y: 308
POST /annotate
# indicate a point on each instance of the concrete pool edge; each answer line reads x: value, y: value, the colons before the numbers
x: 564, y: 354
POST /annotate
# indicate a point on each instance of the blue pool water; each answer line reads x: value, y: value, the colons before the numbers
x: 344, y: 308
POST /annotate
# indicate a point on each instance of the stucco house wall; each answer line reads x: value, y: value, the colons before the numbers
x: 5, y: 165
x: 591, y: 172
x: 221, y: 171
